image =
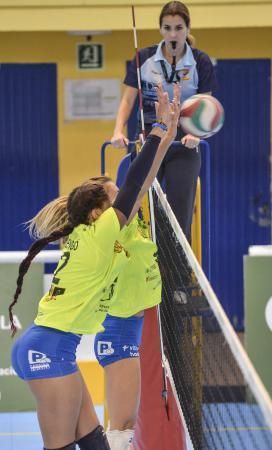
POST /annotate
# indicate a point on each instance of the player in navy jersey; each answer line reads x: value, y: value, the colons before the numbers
x: 173, y: 60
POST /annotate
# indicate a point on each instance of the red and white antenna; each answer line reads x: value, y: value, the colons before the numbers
x: 138, y: 74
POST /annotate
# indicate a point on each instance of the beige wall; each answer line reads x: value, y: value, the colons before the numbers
x: 56, y: 15
x: 35, y: 31
x: 80, y: 141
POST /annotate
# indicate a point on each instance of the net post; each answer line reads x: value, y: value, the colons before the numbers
x: 225, y: 362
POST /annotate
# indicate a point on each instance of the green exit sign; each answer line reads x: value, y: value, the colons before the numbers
x: 89, y: 56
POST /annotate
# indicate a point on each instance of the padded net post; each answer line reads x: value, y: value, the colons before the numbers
x: 158, y: 427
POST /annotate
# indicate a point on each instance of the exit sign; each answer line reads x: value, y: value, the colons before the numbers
x: 89, y: 56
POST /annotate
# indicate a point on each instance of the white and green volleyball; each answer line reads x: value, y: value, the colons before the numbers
x: 201, y: 115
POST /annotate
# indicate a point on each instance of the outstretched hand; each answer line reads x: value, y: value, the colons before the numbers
x: 168, y: 112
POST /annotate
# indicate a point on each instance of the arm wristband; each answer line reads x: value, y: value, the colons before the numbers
x: 136, y: 176
x: 161, y: 125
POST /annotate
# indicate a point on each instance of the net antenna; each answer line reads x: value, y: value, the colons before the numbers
x: 142, y: 137
x: 150, y: 199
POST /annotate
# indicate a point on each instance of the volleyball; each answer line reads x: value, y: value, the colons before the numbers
x: 201, y: 115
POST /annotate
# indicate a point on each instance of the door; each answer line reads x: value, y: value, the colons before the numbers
x: 240, y: 177
x: 28, y: 147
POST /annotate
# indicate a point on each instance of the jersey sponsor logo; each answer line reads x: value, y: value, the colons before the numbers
x: 71, y: 244
x: 148, y: 279
x: 152, y: 273
x: 118, y: 248
x: 102, y: 308
x: 142, y: 228
x: 108, y: 293
x: 104, y: 348
x: 5, y: 324
x: 185, y: 74
x: 157, y: 73
x: 38, y: 360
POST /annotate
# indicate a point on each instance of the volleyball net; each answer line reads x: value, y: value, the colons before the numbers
x: 220, y: 397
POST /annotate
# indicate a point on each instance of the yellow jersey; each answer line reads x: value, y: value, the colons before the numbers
x: 139, y: 283
x: 85, y: 278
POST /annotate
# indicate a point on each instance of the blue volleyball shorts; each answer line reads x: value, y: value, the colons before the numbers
x: 120, y: 340
x: 42, y: 352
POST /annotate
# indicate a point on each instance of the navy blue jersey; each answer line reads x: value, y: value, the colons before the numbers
x: 194, y: 69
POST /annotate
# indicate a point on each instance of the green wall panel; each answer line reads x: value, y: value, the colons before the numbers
x: 14, y: 393
x: 258, y: 334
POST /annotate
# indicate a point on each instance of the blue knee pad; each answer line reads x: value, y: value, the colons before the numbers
x: 120, y: 340
x: 42, y: 352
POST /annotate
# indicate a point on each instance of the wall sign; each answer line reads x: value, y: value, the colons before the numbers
x: 89, y: 56
x: 91, y: 99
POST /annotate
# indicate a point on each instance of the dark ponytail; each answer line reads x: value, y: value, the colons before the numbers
x: 80, y: 202
x: 25, y: 264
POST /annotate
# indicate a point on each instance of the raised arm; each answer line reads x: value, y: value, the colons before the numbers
x: 145, y: 167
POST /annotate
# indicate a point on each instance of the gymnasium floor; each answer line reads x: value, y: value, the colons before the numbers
x: 235, y: 426
x: 20, y: 431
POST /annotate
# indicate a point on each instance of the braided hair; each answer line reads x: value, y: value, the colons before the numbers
x: 81, y: 201
x: 54, y: 215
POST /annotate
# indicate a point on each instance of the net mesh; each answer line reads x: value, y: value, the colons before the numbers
x: 224, y: 404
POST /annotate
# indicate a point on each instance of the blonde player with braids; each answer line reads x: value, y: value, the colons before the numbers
x: 138, y: 287
x: 80, y: 294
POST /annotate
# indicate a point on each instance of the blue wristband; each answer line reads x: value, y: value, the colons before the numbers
x: 160, y: 125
